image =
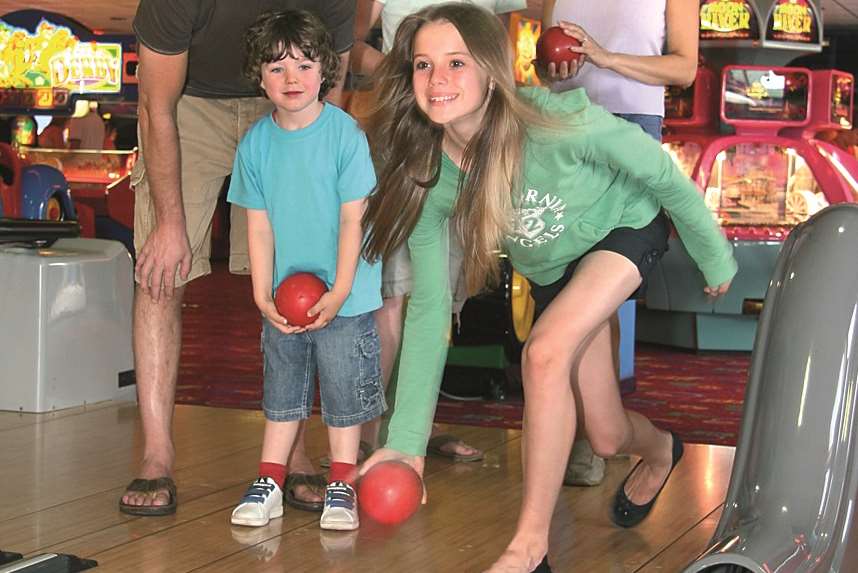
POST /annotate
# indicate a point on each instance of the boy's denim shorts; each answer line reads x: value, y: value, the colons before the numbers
x: 346, y: 356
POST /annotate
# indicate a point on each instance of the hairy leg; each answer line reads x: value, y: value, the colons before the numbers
x: 157, y: 346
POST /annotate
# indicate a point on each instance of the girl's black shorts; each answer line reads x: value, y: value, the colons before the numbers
x: 643, y: 247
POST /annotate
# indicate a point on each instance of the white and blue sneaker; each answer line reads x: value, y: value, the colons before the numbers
x: 341, y: 511
x: 262, y: 502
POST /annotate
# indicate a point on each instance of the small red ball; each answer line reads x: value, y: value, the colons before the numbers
x: 390, y: 492
x: 553, y: 47
x: 296, y: 295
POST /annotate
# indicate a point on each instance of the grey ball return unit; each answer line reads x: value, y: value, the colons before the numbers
x: 791, y: 504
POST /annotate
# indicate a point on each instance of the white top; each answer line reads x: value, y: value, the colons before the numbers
x: 395, y: 10
x: 634, y: 27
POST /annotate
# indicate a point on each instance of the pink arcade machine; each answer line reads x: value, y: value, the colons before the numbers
x: 759, y: 183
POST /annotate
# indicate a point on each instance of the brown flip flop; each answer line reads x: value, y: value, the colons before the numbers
x: 316, y: 482
x: 150, y: 486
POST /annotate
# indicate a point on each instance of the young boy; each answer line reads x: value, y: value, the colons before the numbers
x: 303, y: 174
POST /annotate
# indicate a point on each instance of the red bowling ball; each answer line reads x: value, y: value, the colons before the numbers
x: 296, y: 295
x: 390, y: 492
x: 553, y: 47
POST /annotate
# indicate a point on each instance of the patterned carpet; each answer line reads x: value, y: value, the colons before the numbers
x: 697, y: 395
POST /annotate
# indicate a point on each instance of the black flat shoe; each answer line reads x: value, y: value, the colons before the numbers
x: 543, y: 566
x: 628, y: 514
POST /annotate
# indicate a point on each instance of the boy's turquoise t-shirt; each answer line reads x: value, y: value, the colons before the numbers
x: 300, y: 178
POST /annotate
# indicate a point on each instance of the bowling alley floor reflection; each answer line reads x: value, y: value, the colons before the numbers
x: 65, y: 471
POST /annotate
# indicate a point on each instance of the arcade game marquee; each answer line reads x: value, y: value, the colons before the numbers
x: 51, y: 65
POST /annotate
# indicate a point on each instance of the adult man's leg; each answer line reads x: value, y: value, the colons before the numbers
x: 157, y: 346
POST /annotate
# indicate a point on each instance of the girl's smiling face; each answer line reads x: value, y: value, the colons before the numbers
x: 449, y: 86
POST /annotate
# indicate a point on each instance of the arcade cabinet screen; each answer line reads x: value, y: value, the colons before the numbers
x: 841, y: 100
x: 762, y: 184
x: 678, y: 102
x: 764, y: 95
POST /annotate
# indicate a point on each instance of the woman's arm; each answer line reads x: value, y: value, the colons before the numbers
x: 365, y: 58
x: 677, y: 66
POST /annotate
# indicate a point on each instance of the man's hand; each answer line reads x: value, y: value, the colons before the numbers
x: 387, y: 454
x: 166, y: 252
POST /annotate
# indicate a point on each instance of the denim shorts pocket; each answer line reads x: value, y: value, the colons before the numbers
x: 370, y: 391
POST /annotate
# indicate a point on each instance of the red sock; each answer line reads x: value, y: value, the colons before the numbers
x: 277, y: 472
x: 341, y: 471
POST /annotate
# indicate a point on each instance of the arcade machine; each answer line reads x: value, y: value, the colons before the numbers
x: 55, y: 66
x: 65, y: 337
x: 759, y: 185
x: 691, y: 118
x: 832, y: 108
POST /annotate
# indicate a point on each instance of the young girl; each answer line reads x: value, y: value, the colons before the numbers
x: 575, y: 196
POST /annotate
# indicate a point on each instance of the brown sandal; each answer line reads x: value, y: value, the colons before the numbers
x: 150, y: 486
x: 316, y: 482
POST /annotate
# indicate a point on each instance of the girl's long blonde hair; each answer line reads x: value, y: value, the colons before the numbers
x: 407, y: 146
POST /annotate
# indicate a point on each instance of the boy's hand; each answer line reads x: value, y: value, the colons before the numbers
x: 269, y: 311
x: 327, y: 308
x: 387, y: 454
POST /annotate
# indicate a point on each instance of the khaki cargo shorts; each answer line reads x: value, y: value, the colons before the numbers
x: 209, y: 132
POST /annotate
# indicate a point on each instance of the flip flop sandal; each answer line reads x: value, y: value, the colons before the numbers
x: 364, y: 451
x: 149, y: 486
x: 316, y: 482
x: 436, y: 448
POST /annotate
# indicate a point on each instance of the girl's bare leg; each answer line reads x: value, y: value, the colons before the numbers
x: 602, y: 281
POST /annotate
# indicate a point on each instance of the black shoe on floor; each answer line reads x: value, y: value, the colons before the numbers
x: 543, y: 566
x: 628, y: 514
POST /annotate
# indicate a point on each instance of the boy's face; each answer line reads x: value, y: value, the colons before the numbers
x: 292, y: 84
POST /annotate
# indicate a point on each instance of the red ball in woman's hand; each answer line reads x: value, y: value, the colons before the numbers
x: 553, y: 47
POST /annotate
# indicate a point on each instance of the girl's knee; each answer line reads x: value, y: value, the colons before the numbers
x: 608, y: 443
x: 539, y: 355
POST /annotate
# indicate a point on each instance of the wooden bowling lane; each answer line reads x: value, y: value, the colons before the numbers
x: 62, y: 497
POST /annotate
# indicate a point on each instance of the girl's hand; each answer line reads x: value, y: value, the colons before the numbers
x: 269, y: 311
x: 715, y: 292
x: 327, y: 308
x: 387, y: 454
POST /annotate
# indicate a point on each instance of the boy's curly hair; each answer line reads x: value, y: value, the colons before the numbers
x: 273, y: 35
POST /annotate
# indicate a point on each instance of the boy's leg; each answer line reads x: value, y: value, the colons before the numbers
x: 287, y: 400
x: 263, y: 500
x: 348, y: 351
